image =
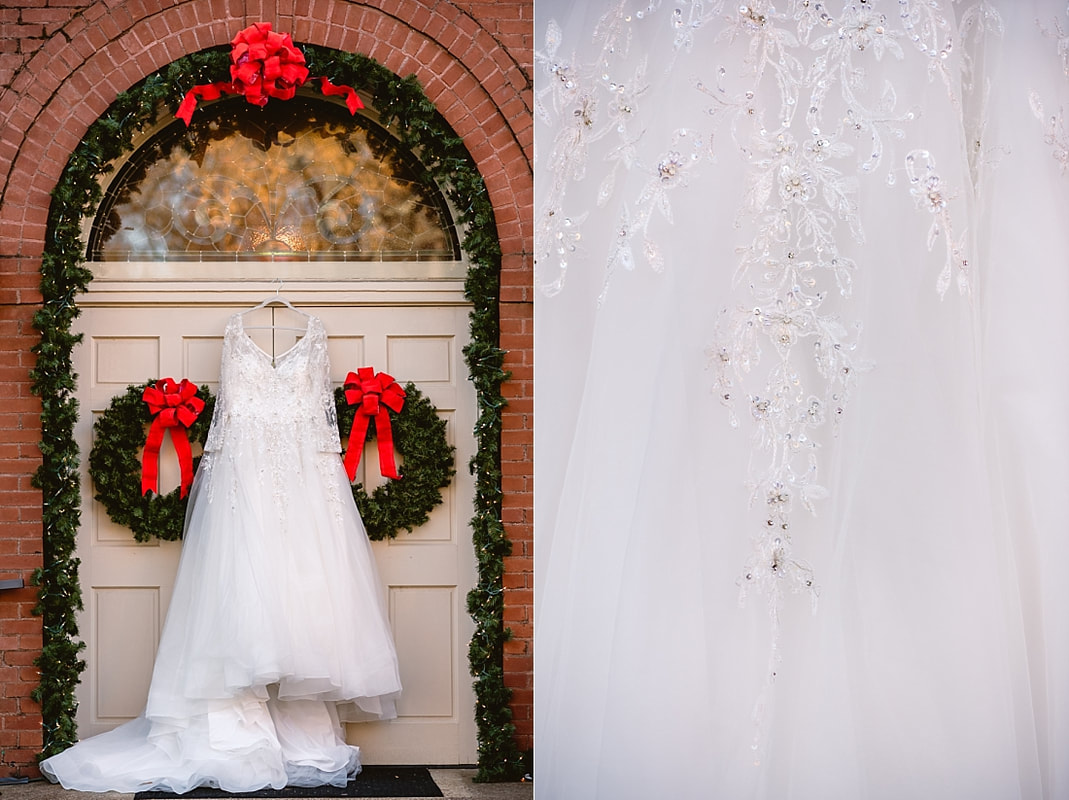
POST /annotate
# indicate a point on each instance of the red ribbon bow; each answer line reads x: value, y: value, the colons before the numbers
x: 263, y: 64
x: 175, y: 407
x: 373, y: 394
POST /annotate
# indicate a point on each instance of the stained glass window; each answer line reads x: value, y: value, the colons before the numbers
x: 295, y: 180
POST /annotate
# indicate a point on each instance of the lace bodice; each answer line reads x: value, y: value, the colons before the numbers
x: 289, y: 400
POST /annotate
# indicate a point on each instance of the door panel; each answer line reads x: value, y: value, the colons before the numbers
x: 427, y: 573
x: 127, y: 627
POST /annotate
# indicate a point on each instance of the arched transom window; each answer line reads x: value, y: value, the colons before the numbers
x: 293, y: 181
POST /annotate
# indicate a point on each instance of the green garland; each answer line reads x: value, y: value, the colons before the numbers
x: 406, y: 111
x: 119, y: 437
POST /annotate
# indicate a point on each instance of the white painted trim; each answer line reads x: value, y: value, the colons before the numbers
x: 316, y: 293
x: 295, y: 270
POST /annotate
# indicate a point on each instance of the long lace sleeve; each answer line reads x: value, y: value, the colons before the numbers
x: 327, y: 423
x: 221, y: 414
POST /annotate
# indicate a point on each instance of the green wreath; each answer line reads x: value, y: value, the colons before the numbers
x: 115, y: 466
x: 119, y: 437
x: 419, y: 436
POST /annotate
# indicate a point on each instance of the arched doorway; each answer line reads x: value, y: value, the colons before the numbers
x: 198, y: 224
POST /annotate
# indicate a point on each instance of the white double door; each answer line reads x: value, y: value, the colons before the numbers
x: 131, y: 337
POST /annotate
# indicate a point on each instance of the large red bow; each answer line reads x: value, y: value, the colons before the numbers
x: 372, y: 394
x: 175, y: 407
x: 263, y: 64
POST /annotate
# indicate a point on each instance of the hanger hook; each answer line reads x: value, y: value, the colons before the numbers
x: 278, y: 290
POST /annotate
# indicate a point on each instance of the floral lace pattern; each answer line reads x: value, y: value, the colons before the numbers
x: 269, y: 402
x: 1055, y: 134
x: 584, y: 110
x: 811, y: 123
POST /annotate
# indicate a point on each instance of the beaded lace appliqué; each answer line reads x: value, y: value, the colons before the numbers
x: 810, y: 123
x: 271, y: 407
x: 1055, y: 134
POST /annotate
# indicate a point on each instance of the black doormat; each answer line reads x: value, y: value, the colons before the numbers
x: 371, y: 782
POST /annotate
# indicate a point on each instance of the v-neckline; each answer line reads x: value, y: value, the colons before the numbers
x: 273, y: 360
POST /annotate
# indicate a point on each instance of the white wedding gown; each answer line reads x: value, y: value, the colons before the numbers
x: 276, y: 628
x: 851, y: 218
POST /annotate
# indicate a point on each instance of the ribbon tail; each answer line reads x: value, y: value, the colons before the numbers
x: 186, y: 108
x: 150, y: 459
x: 385, y: 436
x: 207, y: 91
x: 357, y: 435
x: 352, y: 101
x: 185, y: 458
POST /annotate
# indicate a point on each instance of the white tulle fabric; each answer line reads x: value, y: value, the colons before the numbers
x: 276, y: 629
x: 936, y: 663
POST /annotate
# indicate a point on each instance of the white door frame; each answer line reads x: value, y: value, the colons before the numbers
x: 176, y: 285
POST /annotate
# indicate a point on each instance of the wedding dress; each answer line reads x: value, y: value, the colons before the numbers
x: 802, y: 442
x: 276, y: 628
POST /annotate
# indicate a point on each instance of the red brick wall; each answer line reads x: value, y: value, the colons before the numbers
x: 20, y: 518
x: 62, y: 62
x: 517, y: 456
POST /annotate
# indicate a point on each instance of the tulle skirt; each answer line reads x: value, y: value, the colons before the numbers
x: 936, y: 663
x: 275, y: 633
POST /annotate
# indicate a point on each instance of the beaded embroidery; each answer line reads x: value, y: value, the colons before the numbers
x: 272, y: 402
x: 828, y: 126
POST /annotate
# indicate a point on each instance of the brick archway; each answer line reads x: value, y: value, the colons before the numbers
x: 474, y: 67
x: 474, y: 82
